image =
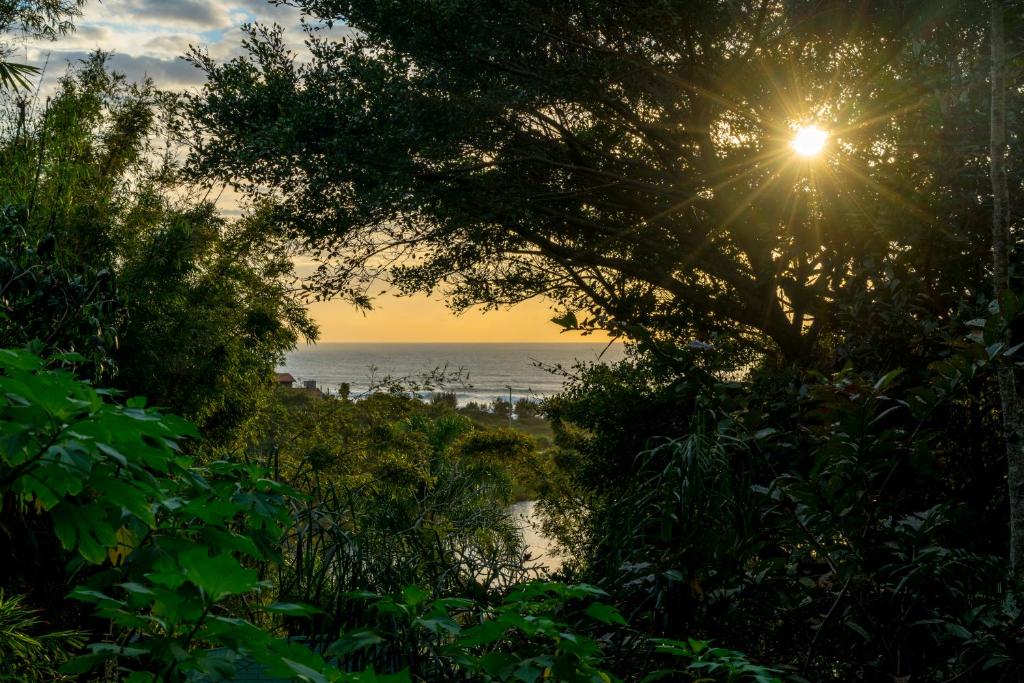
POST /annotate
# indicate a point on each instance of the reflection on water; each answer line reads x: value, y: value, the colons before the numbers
x: 541, y: 549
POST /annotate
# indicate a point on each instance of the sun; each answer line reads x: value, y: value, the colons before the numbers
x: 808, y: 141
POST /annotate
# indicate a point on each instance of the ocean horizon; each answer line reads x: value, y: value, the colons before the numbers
x: 534, y: 370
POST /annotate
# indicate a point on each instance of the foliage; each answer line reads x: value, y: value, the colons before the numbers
x: 14, y: 76
x: 446, y: 399
x: 703, y: 660
x: 831, y: 525
x: 167, y: 539
x: 39, y: 18
x: 397, y: 494
x: 167, y: 552
x: 800, y: 459
x: 162, y: 294
x: 28, y: 651
x: 214, y: 310
x: 63, y: 307
x: 501, y: 408
x: 525, y: 409
x: 630, y: 163
x: 531, y: 634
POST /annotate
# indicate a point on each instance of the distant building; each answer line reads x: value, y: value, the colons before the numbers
x: 286, y: 380
x: 310, y: 387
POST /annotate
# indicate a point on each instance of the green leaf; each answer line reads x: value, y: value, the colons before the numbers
x: 136, y: 588
x: 399, y: 677
x: 499, y: 665
x: 219, y: 575
x: 885, y: 380
x: 606, y: 614
x: 438, y: 623
x: 484, y: 633
x: 292, y: 609
x: 85, y: 529
x: 958, y: 631
x: 15, y: 76
x: 303, y: 672
x: 414, y: 595
x: 354, y: 640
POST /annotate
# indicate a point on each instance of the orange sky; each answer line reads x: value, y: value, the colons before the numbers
x: 422, y: 319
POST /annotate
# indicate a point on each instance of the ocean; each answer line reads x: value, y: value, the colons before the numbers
x: 489, y: 368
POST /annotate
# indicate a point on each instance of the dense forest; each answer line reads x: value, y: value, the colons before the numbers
x: 800, y: 216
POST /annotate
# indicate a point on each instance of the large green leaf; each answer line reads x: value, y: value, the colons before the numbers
x: 219, y: 575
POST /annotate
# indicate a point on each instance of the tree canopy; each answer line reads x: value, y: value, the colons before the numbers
x: 629, y: 161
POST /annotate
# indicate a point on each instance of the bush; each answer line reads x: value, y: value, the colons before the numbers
x: 162, y: 547
x: 444, y: 399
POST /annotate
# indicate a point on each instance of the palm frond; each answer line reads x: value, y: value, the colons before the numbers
x: 16, y: 76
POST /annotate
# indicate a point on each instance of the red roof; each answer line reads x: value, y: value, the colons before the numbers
x: 284, y: 378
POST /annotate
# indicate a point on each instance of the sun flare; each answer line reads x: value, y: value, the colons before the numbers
x: 809, y: 141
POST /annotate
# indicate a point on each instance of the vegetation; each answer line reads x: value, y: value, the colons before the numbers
x: 807, y: 468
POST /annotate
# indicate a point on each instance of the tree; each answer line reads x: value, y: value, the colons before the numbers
x: 110, y: 256
x: 629, y: 162
x: 525, y: 409
x: 1013, y: 418
x: 37, y: 19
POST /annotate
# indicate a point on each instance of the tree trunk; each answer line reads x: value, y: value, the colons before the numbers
x: 1013, y: 421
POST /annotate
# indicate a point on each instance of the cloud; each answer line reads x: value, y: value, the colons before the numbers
x: 167, y: 73
x: 203, y: 14
x: 93, y: 33
x: 147, y: 37
x: 168, y: 46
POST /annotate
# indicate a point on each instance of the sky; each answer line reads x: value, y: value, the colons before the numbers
x: 148, y: 37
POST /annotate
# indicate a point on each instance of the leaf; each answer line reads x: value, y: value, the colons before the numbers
x: 887, y: 379
x: 438, y: 623
x: 140, y: 677
x: 584, y: 590
x: 858, y: 629
x: 15, y: 76
x: 958, y: 631
x: 136, y: 588
x: 482, y: 634
x: 219, y: 575
x: 567, y: 321
x: 414, y: 595
x: 356, y: 639
x: 113, y: 453
x: 85, y: 529
x: 292, y: 609
x: 606, y: 614
x: 498, y: 665
x: 304, y: 672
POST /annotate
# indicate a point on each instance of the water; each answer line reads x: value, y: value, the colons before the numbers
x: 491, y: 368
x: 541, y: 549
